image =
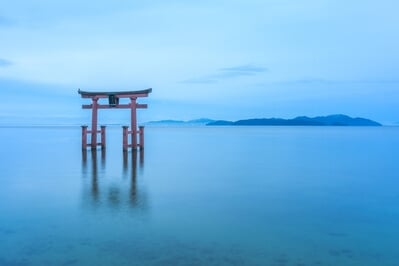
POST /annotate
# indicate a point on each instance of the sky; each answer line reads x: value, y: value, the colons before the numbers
x: 221, y: 59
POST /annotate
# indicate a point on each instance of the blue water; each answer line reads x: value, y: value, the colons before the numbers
x: 201, y: 196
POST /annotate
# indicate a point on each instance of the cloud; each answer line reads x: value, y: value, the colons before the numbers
x: 5, y: 63
x: 249, y: 69
x: 342, y: 81
x: 203, y: 80
x: 228, y: 73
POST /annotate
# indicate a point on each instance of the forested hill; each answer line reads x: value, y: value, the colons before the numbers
x: 331, y: 120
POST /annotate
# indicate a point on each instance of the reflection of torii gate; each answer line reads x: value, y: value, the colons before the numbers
x: 113, y: 103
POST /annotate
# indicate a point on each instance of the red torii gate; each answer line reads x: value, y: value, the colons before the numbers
x: 113, y: 102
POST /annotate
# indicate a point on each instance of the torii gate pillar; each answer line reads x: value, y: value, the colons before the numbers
x: 133, y: 121
x: 113, y: 102
x: 94, y: 119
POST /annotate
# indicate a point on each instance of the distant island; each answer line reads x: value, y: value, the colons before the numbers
x: 330, y: 120
x: 195, y: 122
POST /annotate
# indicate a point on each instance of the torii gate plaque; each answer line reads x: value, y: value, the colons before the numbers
x: 113, y: 103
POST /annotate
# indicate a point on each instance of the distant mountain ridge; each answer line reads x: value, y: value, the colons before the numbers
x: 330, y: 120
x: 195, y: 122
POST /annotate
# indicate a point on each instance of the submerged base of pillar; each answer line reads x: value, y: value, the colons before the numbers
x: 93, y: 144
x: 133, y: 134
x: 137, y: 138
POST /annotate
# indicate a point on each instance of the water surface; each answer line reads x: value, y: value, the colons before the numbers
x: 201, y: 196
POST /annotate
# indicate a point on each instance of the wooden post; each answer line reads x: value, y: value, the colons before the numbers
x: 84, y: 137
x: 94, y: 124
x: 102, y: 137
x: 125, y: 142
x: 141, y: 133
x: 133, y: 122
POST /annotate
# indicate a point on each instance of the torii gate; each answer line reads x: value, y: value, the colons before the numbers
x: 113, y: 102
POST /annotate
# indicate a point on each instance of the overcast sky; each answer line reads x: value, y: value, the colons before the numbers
x: 222, y: 59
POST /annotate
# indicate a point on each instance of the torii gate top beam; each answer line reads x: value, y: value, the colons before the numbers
x: 118, y: 94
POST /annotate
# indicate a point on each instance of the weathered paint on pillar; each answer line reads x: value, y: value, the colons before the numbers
x: 94, y: 124
x: 125, y: 142
x: 102, y: 137
x: 84, y: 137
x: 133, y: 125
x: 141, y: 133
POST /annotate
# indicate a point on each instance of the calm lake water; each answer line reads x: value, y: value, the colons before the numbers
x: 201, y: 196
